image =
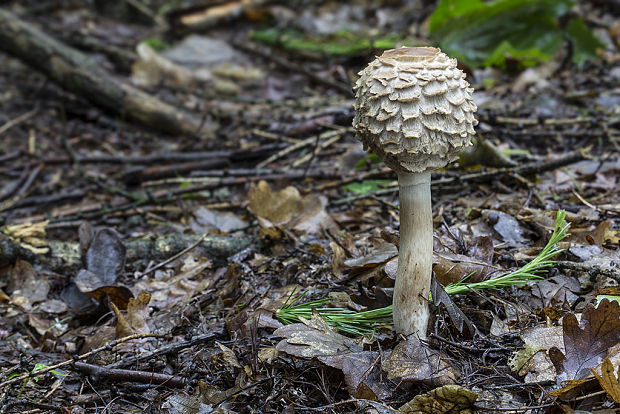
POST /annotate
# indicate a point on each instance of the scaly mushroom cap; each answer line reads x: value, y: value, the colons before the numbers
x: 414, y: 108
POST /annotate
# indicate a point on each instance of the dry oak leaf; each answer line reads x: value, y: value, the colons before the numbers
x: 442, y: 400
x: 609, y: 382
x: 586, y: 345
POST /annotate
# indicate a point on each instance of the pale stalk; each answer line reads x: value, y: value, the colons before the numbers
x: 415, y: 258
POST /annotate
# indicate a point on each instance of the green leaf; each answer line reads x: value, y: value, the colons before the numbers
x: 451, y: 9
x: 599, y: 298
x: 156, y: 44
x: 483, y: 34
x: 367, y: 186
x: 370, y: 159
x: 585, y: 44
x: 339, y: 44
x: 529, y: 57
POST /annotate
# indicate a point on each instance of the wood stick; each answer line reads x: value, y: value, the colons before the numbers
x: 79, y: 74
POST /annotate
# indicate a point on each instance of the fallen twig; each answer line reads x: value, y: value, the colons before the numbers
x: 95, y: 351
x: 115, y: 374
x: 79, y: 74
x: 166, y: 349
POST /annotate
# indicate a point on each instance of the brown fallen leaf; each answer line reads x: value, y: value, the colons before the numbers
x: 586, y: 345
x: 443, y: 400
x: 457, y: 317
x: 609, y: 382
x: 288, y: 208
x: 603, y: 233
x: 413, y: 362
x: 315, y: 339
x: 362, y: 374
x: 27, y: 286
x: 377, y: 256
x: 137, y: 313
x: 452, y: 268
x: 118, y: 295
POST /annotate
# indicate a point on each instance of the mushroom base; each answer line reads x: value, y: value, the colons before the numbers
x: 411, y: 290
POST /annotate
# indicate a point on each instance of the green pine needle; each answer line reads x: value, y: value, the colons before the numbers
x: 365, y: 323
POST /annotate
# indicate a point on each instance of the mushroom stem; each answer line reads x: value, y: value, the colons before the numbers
x: 415, y: 258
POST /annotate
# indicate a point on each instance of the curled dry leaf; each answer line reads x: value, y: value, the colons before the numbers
x: 609, y: 382
x: 413, y: 362
x: 138, y: 311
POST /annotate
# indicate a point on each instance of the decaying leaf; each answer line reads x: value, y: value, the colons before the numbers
x: 555, y: 290
x: 586, y: 345
x: 377, y: 256
x: 315, y: 339
x: 362, y: 374
x: 228, y: 355
x: 538, y: 368
x: 288, y: 208
x: 104, y: 260
x: 452, y: 268
x: 27, y: 286
x: 105, y: 256
x: 413, y: 362
x: 224, y: 221
x: 197, y: 403
x: 442, y: 400
x: 609, y: 382
x: 457, y: 317
x: 506, y: 226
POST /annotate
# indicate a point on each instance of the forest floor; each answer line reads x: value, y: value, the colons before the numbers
x: 141, y: 270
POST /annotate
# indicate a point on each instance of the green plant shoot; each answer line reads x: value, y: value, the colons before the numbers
x: 365, y: 323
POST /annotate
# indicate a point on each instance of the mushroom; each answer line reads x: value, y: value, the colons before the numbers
x: 414, y: 109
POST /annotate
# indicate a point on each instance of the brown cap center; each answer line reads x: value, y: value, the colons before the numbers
x: 410, y: 54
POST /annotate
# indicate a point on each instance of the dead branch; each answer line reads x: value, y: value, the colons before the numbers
x: 66, y: 255
x: 116, y: 374
x: 81, y: 75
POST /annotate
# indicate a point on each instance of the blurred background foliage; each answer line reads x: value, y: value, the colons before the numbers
x: 478, y: 33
